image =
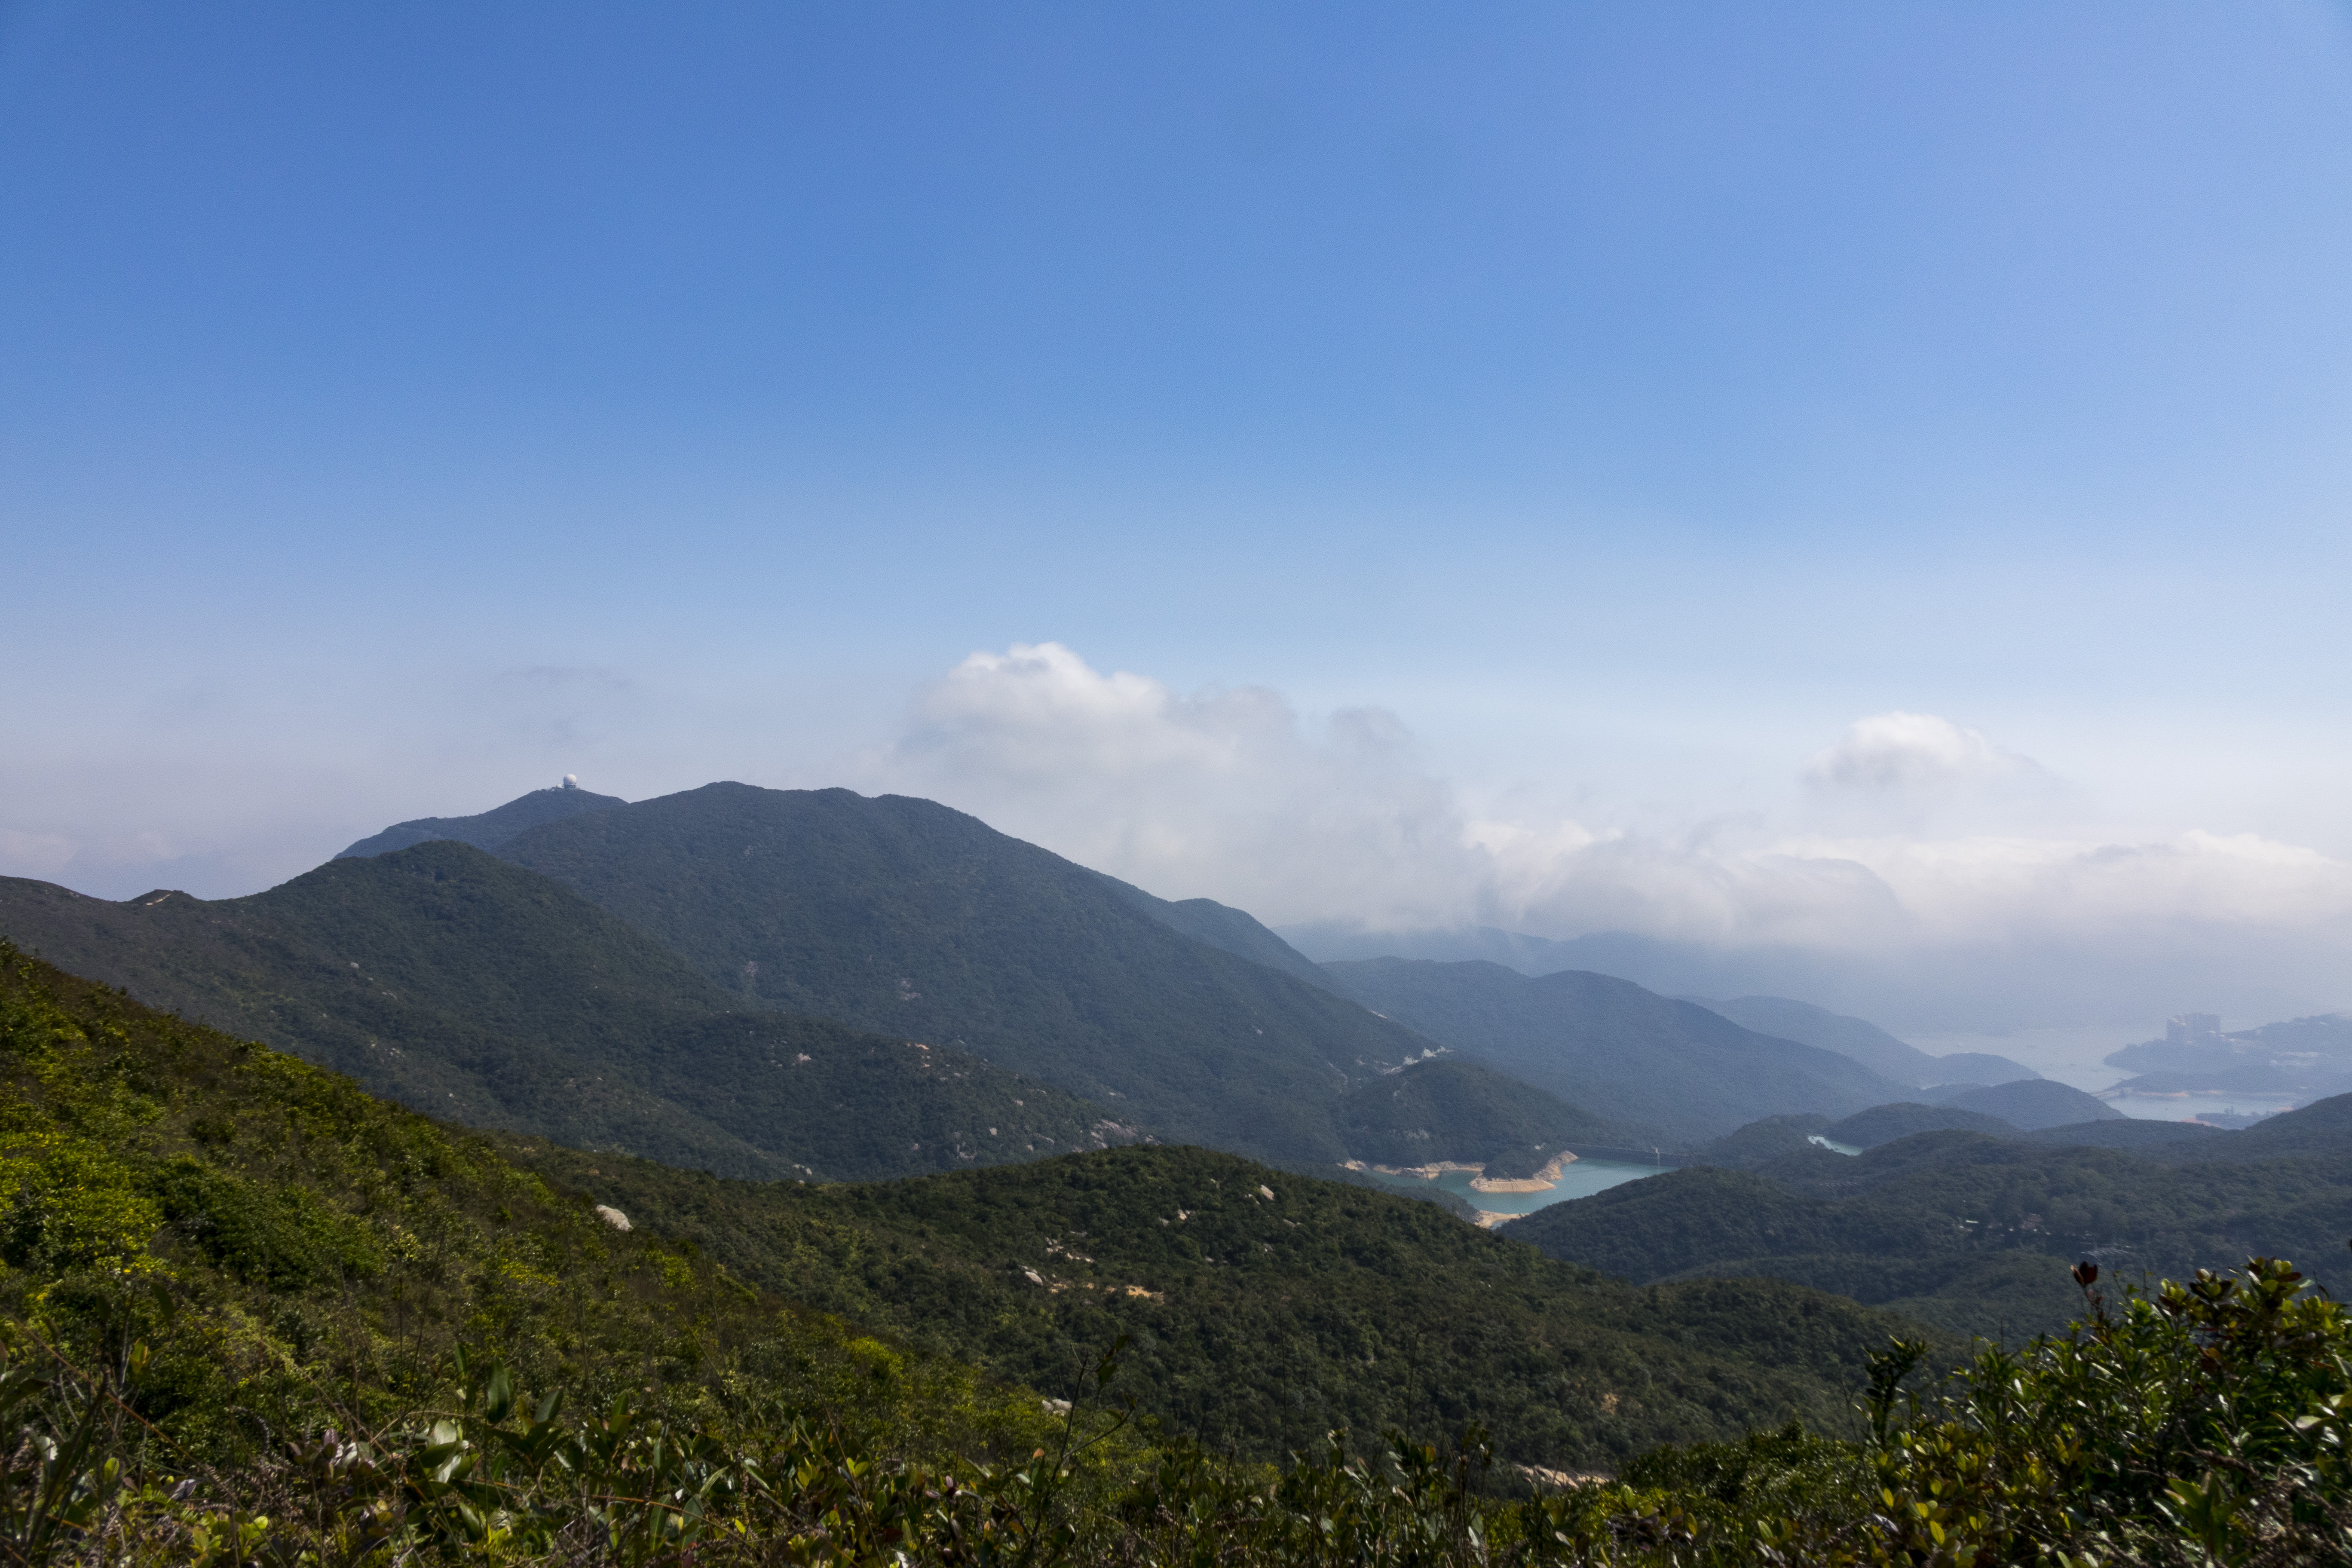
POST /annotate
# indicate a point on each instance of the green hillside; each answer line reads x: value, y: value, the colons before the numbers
x: 1261, y: 1323
x: 903, y: 917
x: 477, y: 990
x: 1612, y: 1047
x: 293, y: 1254
x: 1971, y: 1233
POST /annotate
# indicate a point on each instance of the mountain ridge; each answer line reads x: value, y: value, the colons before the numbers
x: 1612, y: 1047
x: 487, y: 829
x: 458, y: 982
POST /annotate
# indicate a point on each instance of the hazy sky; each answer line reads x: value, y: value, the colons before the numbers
x: 1857, y: 477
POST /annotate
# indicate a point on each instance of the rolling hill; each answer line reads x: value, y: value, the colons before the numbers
x: 461, y: 984
x: 1613, y: 1048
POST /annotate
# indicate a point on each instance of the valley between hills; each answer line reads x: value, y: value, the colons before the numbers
x: 872, y: 1086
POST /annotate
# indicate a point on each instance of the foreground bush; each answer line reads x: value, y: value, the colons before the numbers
x: 2204, y: 1424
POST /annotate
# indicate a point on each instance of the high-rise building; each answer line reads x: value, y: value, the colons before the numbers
x: 2194, y: 1029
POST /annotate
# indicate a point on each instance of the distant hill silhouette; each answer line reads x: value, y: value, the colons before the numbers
x: 1612, y: 1047
x: 2031, y: 1104
x: 1865, y: 1042
x: 1669, y: 968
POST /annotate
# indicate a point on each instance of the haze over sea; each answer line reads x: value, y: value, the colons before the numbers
x: 1849, y: 496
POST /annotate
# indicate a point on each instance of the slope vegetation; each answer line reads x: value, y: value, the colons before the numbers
x: 462, y: 986
x: 1261, y: 1322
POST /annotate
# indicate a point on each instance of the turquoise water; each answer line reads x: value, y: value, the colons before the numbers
x: 1581, y: 1179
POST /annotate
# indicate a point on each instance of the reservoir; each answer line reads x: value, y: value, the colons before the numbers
x: 1578, y: 1179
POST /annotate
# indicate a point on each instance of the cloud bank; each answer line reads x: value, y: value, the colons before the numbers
x: 1233, y: 795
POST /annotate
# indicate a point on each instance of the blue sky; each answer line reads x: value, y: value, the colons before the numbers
x: 401, y: 405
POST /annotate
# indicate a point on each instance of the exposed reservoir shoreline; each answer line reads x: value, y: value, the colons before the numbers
x: 1543, y: 1181
x: 1494, y: 1200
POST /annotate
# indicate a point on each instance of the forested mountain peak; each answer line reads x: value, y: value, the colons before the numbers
x: 904, y: 916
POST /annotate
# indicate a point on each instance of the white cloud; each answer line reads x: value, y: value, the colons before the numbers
x: 1911, y: 751
x: 1224, y: 794
x: 1231, y: 794
x: 40, y: 856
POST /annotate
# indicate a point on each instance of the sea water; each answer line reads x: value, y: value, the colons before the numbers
x: 1578, y: 1179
